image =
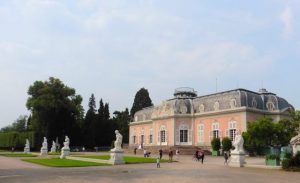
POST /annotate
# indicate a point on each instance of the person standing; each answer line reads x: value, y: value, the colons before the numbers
x: 160, y: 153
x: 170, y: 156
x: 134, y: 150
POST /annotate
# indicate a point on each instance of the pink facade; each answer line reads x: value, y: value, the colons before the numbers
x: 188, y: 120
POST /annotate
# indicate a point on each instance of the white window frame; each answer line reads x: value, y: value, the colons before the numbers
x: 201, y: 132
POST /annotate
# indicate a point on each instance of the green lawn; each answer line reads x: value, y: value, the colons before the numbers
x: 18, y: 155
x: 56, y: 162
x: 127, y: 159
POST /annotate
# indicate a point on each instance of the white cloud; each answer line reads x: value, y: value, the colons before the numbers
x: 287, y: 20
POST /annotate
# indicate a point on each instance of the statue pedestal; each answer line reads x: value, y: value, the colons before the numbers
x: 44, y: 151
x: 64, y: 152
x: 237, y: 159
x: 116, y: 157
x: 26, y: 150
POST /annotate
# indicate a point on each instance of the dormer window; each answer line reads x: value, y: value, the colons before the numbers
x: 270, y: 106
x: 201, y: 108
x: 232, y: 103
x: 254, y: 103
x: 216, y: 106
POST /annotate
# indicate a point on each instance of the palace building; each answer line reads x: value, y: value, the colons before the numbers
x: 191, y: 120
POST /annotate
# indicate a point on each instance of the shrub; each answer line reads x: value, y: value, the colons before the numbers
x: 285, y: 164
x: 226, y: 144
x: 216, y: 144
x: 296, y: 159
x: 272, y: 156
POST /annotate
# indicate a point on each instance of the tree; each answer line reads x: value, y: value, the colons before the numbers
x: 216, y: 144
x: 56, y: 110
x: 19, y: 125
x: 122, y: 119
x: 141, y: 100
x: 89, y: 122
x: 226, y: 144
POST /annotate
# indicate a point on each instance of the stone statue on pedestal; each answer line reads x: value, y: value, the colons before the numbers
x: 27, y: 147
x: 295, y: 142
x: 116, y: 154
x: 65, y: 151
x: 53, y: 148
x: 238, y: 154
x: 44, y: 149
x: 118, y: 142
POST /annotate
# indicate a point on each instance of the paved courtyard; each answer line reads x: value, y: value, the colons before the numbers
x: 14, y: 170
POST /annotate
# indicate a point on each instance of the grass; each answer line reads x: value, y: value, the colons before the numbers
x: 56, y: 162
x: 18, y: 155
x: 127, y: 159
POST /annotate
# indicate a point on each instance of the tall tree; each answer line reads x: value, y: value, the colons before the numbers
x: 88, y: 126
x: 56, y: 110
x: 141, y: 100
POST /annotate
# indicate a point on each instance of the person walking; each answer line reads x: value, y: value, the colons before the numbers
x: 158, y: 162
x: 226, y: 158
x: 202, y: 156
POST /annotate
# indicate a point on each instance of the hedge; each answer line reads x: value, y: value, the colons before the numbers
x: 16, y: 139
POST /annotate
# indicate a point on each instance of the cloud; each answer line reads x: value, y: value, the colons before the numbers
x: 287, y: 20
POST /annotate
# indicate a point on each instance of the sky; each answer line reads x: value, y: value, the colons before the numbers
x: 112, y: 48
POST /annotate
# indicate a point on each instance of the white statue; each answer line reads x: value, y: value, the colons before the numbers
x: 67, y: 142
x: 44, y: 149
x: 238, y: 143
x: 238, y: 154
x: 116, y: 154
x: 27, y: 147
x: 65, y: 151
x: 118, y: 141
x: 53, y: 148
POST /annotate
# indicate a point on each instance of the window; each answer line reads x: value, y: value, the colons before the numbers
x: 150, y: 139
x: 142, y: 139
x: 254, y: 103
x: 232, y: 134
x: 215, y: 130
x: 270, y: 106
x: 232, y: 130
x: 134, y: 139
x: 216, y: 106
x: 232, y: 103
x: 200, y: 133
x: 215, y: 133
x: 183, y: 135
x: 162, y: 136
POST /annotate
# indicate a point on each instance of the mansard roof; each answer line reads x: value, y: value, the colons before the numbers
x: 226, y: 100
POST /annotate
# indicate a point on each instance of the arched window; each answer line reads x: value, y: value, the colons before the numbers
x: 270, y: 106
x: 233, y: 103
x: 254, y: 103
x: 216, y: 106
x: 201, y: 108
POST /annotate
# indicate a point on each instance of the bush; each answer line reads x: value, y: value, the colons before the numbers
x: 16, y: 139
x: 216, y: 144
x: 285, y: 164
x: 226, y: 144
x: 272, y: 156
x: 296, y: 159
